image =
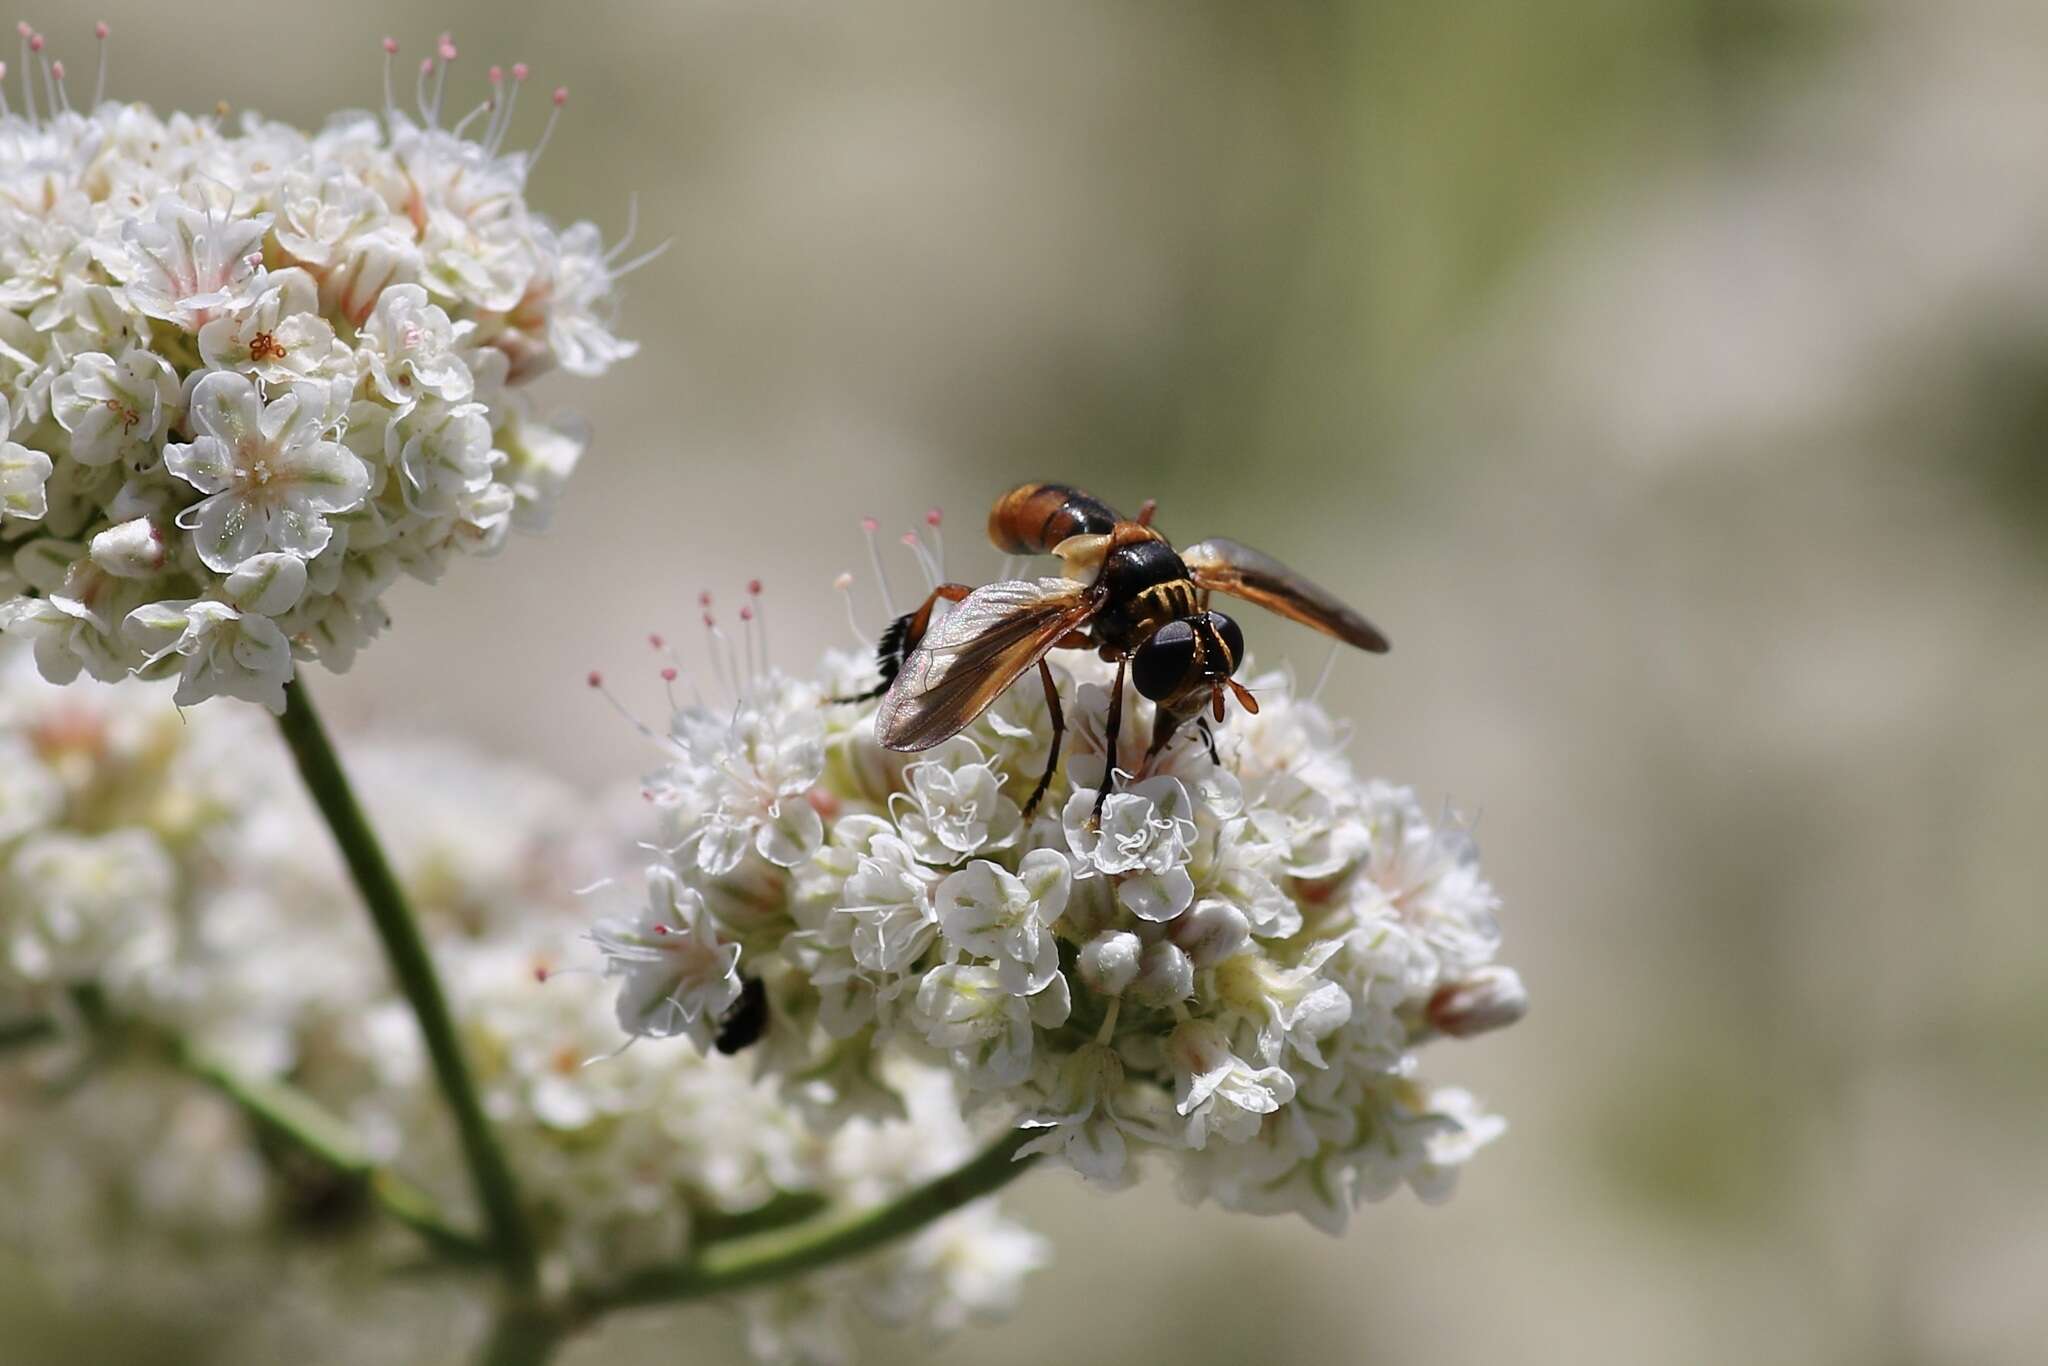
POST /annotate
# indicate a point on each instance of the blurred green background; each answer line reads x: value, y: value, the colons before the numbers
x: 1668, y: 377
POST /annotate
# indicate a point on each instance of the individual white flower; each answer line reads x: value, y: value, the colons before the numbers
x: 955, y: 807
x: 134, y: 549
x: 1220, y: 1093
x: 1089, y: 1108
x: 85, y: 908
x: 889, y: 898
x: 30, y: 794
x: 75, y: 621
x: 24, y: 476
x: 277, y: 334
x: 579, y: 324
x: 1464, y: 1128
x: 1291, y: 1006
x: 116, y: 409
x: 991, y: 913
x: 1143, y: 838
x: 679, y: 976
x: 443, y: 451
x: 182, y: 264
x: 229, y: 648
x: 271, y: 475
x: 319, y: 215
x: 1108, y: 963
x: 408, y: 346
x: 1428, y: 877
x: 1491, y: 998
x: 967, y: 1010
x: 539, y: 458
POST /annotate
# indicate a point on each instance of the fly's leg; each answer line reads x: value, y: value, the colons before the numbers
x: 1165, y: 725
x: 1209, y: 739
x: 1116, y: 721
x: 1059, y: 729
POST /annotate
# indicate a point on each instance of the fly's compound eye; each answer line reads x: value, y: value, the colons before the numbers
x: 1161, y: 666
x: 1233, y: 645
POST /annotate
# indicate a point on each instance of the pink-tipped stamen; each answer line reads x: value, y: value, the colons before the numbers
x: 35, y: 43
x: 419, y: 89
x: 924, y: 558
x: 502, y: 125
x: 1322, y: 678
x: 99, y: 84
x: 868, y: 527
x: 749, y: 634
x: 547, y: 134
x: 444, y: 48
x: 844, y: 584
x: 720, y: 646
x: 760, y: 611
x: 28, y: 74
x: 390, y: 46
x: 646, y: 732
x: 488, y: 106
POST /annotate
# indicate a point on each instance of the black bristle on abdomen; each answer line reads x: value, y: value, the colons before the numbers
x: 890, y: 652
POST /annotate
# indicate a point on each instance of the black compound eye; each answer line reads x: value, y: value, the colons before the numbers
x: 1233, y: 644
x: 1162, y: 663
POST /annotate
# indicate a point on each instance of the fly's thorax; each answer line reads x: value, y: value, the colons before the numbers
x: 1146, y: 586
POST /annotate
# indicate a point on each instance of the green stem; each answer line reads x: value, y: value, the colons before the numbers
x: 510, y: 1239
x: 521, y: 1337
x: 735, y: 1263
x: 21, y: 1033
x: 296, y: 1117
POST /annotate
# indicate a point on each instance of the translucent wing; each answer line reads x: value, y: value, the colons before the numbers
x: 1227, y: 567
x: 973, y: 653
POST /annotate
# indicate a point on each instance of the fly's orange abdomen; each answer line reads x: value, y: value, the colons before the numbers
x: 1033, y: 518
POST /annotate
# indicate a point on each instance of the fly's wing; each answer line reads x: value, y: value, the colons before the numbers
x: 973, y: 653
x: 1226, y: 567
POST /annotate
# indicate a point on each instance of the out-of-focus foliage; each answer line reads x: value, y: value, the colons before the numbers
x: 1662, y: 374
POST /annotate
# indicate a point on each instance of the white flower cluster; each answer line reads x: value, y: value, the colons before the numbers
x: 160, y: 872
x: 249, y: 378
x: 1235, y: 968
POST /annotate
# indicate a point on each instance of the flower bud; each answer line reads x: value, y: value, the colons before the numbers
x: 1210, y: 932
x: 1491, y: 998
x: 1109, y: 962
x: 1164, y: 976
x: 132, y: 550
